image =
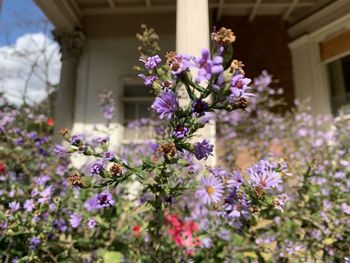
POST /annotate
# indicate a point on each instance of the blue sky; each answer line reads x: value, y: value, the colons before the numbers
x: 19, y: 17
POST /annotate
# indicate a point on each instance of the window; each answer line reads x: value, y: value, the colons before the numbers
x: 137, y: 100
x: 339, y: 76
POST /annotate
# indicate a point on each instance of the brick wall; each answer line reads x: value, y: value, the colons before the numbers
x: 263, y: 44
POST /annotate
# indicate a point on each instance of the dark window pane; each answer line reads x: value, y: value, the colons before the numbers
x: 339, y: 77
x: 137, y: 91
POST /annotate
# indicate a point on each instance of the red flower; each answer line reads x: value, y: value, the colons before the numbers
x: 50, y: 121
x: 2, y: 168
x: 136, y: 230
x: 182, y: 232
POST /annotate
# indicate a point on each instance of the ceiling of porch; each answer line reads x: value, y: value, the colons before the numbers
x: 290, y: 10
x: 301, y: 15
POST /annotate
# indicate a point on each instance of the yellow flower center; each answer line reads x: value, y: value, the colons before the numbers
x: 210, y: 190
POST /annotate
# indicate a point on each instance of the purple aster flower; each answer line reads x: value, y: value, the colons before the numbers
x: 316, y: 234
x: 224, y: 234
x: 32, y: 135
x: 29, y: 205
x: 60, y: 225
x: 34, y: 243
x: 107, y: 105
x: 262, y: 81
x: 194, y: 168
x: 96, y: 168
x: 105, y: 199
x: 235, y: 181
x: 235, y: 206
x: 235, y: 210
x: 203, y: 149
x: 345, y: 208
x: 45, y: 195
x: 148, y: 81
x: 61, y: 169
x: 75, y: 220
x: 108, y: 112
x: 166, y: 105
x: 218, y: 172
x: 91, y: 223
x: 180, y: 63
x: 60, y: 150
x: 262, y: 176
x: 199, y: 107
x: 17, y: 131
x: 3, y: 225
x: 14, y: 206
x: 181, y: 131
x: 211, y: 190
x: 151, y: 62
x: 76, y: 139
x: 18, y: 142
x: 280, y: 202
x: 41, y: 180
x: 239, y: 86
x: 208, y: 67
x: 208, y: 116
x: 91, y: 204
x: 108, y: 156
x: 101, y: 140
x: 206, y: 242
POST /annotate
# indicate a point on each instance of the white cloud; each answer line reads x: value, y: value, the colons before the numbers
x: 31, y: 62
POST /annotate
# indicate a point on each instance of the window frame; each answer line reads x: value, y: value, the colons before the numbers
x: 133, y: 81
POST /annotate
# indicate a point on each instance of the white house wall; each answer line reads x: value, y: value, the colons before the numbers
x: 310, y: 75
x: 104, y: 65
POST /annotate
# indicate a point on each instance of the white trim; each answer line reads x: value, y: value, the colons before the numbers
x: 137, y: 99
x: 337, y: 57
x: 222, y: 8
x: 219, y: 11
x: 148, y: 3
x: 290, y: 10
x: 310, y: 72
x: 61, y: 13
x: 254, y: 10
x: 111, y: 4
x: 322, y: 33
x: 316, y: 21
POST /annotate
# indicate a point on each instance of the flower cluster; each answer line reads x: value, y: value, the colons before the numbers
x: 107, y: 106
x: 313, y: 200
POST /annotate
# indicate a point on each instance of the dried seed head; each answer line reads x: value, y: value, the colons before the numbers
x: 116, y: 169
x: 63, y: 131
x: 243, y: 103
x: 75, y: 180
x: 224, y: 36
x: 237, y: 66
x: 168, y: 149
x: 255, y: 210
x: 170, y: 57
x: 259, y: 191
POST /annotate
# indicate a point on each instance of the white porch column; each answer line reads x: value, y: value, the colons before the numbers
x: 310, y: 74
x: 192, y: 26
x: 71, y: 45
x: 192, y: 35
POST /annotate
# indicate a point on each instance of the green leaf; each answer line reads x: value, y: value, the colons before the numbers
x: 150, y: 181
x: 112, y: 257
x: 141, y: 209
x: 328, y: 241
x: 271, y: 246
x: 262, y: 223
x: 266, y: 256
x: 250, y: 254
